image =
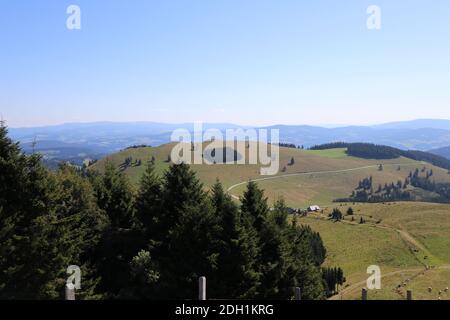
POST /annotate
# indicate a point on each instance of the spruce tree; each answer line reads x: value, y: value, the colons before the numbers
x: 238, y: 249
x: 254, y: 206
x: 120, y: 242
x: 80, y: 227
x: 148, y: 203
x: 303, y: 263
x: 189, y: 249
x: 114, y: 196
x: 32, y: 266
x: 350, y: 211
x: 273, y: 259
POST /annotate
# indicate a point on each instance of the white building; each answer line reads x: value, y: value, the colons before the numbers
x: 314, y: 208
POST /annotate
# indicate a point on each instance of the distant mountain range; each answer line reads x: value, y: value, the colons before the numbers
x: 78, y: 141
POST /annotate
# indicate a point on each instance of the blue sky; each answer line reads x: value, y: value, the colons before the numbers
x: 249, y: 62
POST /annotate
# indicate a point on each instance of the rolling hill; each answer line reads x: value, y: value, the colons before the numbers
x: 316, y: 177
x: 408, y: 240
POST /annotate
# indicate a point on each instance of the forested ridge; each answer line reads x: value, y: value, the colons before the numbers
x: 373, y: 151
x: 152, y: 243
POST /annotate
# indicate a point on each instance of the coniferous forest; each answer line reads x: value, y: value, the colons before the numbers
x: 373, y: 151
x: 150, y: 243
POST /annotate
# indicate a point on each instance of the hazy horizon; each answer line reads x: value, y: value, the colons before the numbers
x: 324, y: 125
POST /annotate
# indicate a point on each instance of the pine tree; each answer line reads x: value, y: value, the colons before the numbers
x: 254, y: 206
x: 32, y: 266
x: 190, y: 225
x: 336, y: 214
x: 144, y: 276
x: 350, y: 211
x: 301, y: 269
x: 148, y: 202
x: 115, y: 197
x: 273, y: 258
x: 237, y: 270
x: 181, y: 189
x: 81, y: 225
x: 119, y: 242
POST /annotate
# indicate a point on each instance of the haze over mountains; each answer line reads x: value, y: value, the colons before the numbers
x: 77, y: 141
x: 443, y: 152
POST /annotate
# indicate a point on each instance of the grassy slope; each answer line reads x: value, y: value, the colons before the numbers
x: 399, y: 237
x: 299, y: 190
x: 351, y: 246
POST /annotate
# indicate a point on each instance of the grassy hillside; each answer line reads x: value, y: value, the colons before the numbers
x: 317, y: 176
x: 402, y: 238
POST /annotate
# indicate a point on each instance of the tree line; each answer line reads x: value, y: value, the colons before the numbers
x: 373, y: 151
x: 290, y: 145
x: 426, y: 183
x: 400, y: 191
x: 365, y: 192
x: 149, y: 243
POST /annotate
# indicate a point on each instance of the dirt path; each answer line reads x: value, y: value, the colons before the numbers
x: 362, y: 284
x: 307, y: 174
x: 407, y: 238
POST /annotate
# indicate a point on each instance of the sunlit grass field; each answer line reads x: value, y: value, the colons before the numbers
x: 403, y: 238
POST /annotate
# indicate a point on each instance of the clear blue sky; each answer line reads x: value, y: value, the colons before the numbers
x: 242, y: 61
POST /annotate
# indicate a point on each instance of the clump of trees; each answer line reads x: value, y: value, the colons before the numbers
x: 398, y: 191
x: 365, y: 192
x: 129, y: 243
x: 363, y: 150
x: 333, y: 277
x: 336, y: 215
x: 373, y: 151
x: 425, y: 182
x: 129, y: 162
x: 287, y: 145
x: 333, y: 145
x: 137, y: 146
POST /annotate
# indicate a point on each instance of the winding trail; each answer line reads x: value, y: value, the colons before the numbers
x: 362, y: 284
x: 308, y: 174
x: 407, y: 238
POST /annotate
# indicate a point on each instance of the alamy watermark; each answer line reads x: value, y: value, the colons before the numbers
x: 73, y: 22
x: 374, y: 281
x: 236, y: 146
x: 374, y: 20
x: 74, y: 279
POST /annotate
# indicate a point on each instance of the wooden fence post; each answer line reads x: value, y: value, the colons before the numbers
x: 202, y: 288
x: 409, y: 295
x: 364, y: 294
